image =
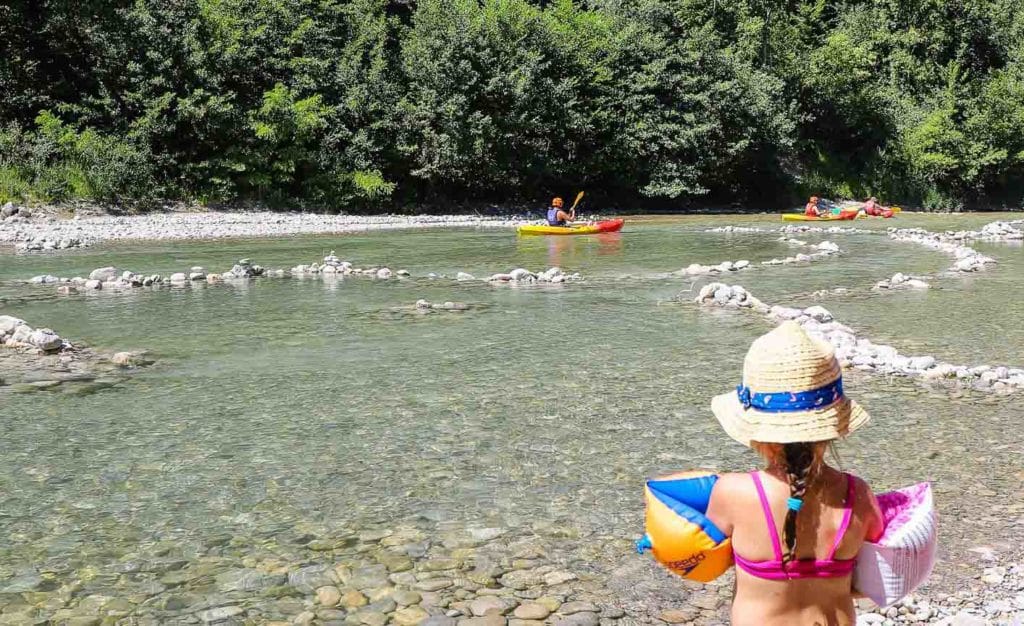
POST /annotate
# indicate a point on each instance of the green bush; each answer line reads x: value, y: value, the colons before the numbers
x: 368, y: 104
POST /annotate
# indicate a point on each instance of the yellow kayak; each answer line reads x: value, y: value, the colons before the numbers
x: 800, y: 217
x: 607, y: 226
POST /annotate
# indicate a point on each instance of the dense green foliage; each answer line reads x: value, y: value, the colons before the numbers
x: 365, y: 104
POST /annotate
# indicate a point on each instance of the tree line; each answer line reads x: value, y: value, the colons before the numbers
x: 378, y: 104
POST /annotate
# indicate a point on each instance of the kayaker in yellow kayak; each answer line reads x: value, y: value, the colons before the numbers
x: 557, y: 216
x: 813, y: 209
x: 871, y: 207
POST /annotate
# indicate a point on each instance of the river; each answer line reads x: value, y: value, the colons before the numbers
x: 284, y: 419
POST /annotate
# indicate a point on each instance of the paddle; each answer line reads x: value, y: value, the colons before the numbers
x: 579, y: 197
x: 572, y: 209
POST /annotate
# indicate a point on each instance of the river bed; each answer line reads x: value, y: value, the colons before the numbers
x: 293, y: 423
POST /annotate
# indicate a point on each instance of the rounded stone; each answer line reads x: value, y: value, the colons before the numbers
x: 410, y: 616
x: 353, y: 599
x: 328, y: 596
x: 406, y: 598
x: 489, y: 604
x: 531, y: 611
x: 679, y: 616
x: 583, y: 618
x: 578, y: 607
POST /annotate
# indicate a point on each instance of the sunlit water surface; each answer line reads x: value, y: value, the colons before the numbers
x: 284, y: 404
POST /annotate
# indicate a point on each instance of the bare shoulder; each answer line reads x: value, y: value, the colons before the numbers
x: 732, y: 483
x: 866, y: 506
x: 722, y: 506
x: 862, y: 492
x: 730, y: 488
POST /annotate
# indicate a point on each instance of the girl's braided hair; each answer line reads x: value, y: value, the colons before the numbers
x: 800, y: 461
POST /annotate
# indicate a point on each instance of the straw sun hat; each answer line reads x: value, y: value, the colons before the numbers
x: 792, y: 392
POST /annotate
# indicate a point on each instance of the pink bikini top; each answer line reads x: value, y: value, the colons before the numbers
x: 830, y: 567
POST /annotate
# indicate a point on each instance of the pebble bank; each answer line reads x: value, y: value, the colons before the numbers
x: 859, y: 352
x: 33, y: 234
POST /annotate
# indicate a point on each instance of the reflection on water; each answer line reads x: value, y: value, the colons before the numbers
x: 285, y: 404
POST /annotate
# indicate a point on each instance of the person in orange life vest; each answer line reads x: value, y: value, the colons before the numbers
x: 557, y: 216
x: 812, y: 209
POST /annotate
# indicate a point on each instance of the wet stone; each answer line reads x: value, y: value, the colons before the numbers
x: 490, y: 604
x: 353, y: 599
x: 328, y: 596
x: 405, y: 579
x: 521, y: 579
x: 679, y: 616
x: 248, y: 580
x: 308, y: 578
x: 584, y: 618
x: 557, y: 578
x: 531, y: 611
x: 371, y: 618
x: 220, y: 614
x: 613, y: 612
x: 395, y: 562
x: 706, y: 602
x: 440, y: 564
x: 176, y: 602
x: 368, y: 577
x: 492, y: 619
x: 439, y: 620
x: 379, y: 593
x: 20, y: 584
x: 387, y: 605
x: 330, y: 614
x: 434, y: 584
x: 373, y: 536
x: 406, y: 598
x: 281, y: 591
x: 177, y: 578
x: 577, y: 607
x: 410, y: 616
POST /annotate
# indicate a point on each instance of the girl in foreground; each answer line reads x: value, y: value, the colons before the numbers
x: 797, y: 525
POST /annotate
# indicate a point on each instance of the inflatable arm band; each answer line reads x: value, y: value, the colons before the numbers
x: 678, y: 533
x: 903, y: 557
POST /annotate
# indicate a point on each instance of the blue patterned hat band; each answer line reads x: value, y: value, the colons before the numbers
x: 791, y: 401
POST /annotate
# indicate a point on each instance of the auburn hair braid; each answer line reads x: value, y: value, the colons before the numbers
x: 799, y: 463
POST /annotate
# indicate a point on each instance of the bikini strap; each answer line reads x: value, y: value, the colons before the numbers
x: 769, y: 520
x: 851, y: 487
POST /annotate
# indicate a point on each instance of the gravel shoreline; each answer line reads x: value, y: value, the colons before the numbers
x: 40, y: 233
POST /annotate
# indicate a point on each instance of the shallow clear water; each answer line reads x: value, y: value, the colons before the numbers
x: 284, y: 404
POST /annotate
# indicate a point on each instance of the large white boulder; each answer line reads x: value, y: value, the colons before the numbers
x: 8, y: 324
x: 46, y: 340
x: 104, y: 274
